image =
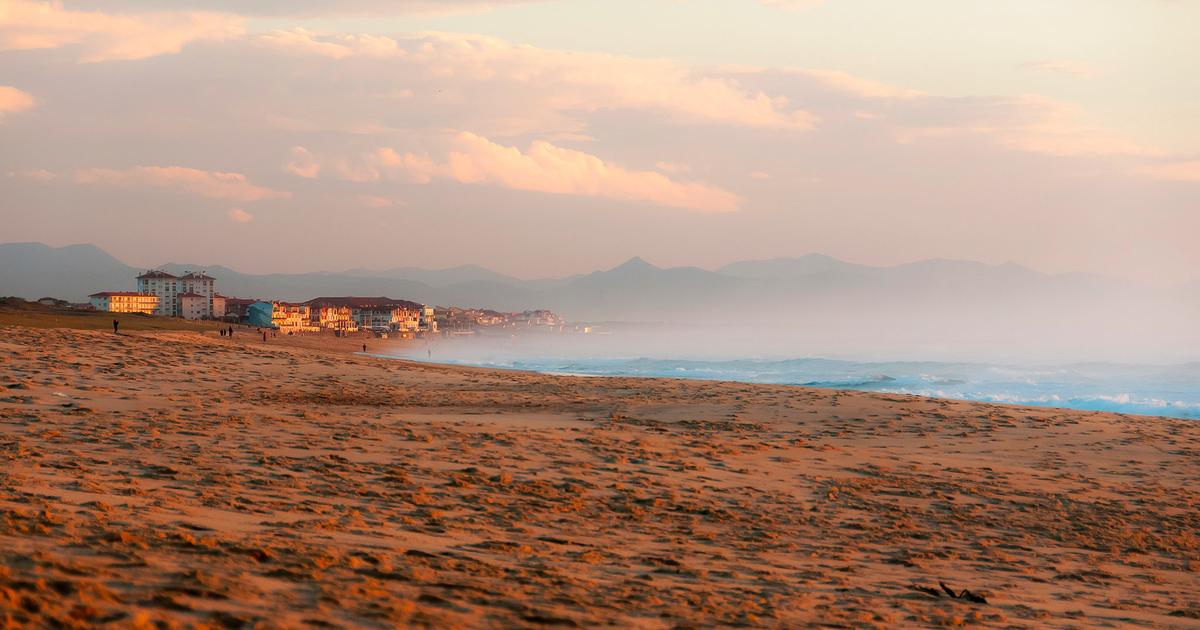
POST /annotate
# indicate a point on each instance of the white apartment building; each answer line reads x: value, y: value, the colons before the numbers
x: 191, y: 296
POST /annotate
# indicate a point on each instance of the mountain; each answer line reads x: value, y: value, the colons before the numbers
x: 639, y: 291
x: 34, y: 270
x: 780, y: 268
x: 437, y: 277
x: 814, y: 303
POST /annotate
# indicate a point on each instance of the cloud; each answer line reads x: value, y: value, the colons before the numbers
x: 211, y: 184
x: 238, y: 215
x: 1030, y: 123
x: 303, y: 164
x: 100, y: 36
x: 14, y: 100
x: 1181, y: 171
x: 1062, y: 66
x: 314, y: 8
x: 34, y: 175
x: 856, y: 85
x: 546, y: 168
x: 792, y: 5
x: 464, y: 70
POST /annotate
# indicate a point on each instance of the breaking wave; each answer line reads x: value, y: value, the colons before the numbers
x: 1134, y: 389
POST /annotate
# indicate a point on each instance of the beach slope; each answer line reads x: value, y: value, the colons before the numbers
x: 189, y: 480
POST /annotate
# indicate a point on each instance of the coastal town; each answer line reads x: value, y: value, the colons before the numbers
x: 194, y: 296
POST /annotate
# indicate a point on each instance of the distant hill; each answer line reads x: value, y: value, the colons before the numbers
x: 814, y: 302
x: 34, y: 270
x: 437, y: 277
x: 780, y: 268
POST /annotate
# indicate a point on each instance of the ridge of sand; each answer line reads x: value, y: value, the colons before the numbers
x: 186, y: 480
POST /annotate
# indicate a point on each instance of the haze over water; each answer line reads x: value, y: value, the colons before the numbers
x: 1163, y: 390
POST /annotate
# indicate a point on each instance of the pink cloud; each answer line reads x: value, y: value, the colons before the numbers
x: 211, y: 184
x: 856, y: 85
x: 14, y: 100
x: 543, y: 167
x: 1033, y: 124
x: 27, y: 24
x: 238, y: 215
x: 553, y: 80
x: 303, y: 164
x: 1062, y: 66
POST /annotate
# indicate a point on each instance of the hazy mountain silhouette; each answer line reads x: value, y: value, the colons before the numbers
x: 780, y: 268
x: 814, y: 297
x: 437, y: 277
x: 34, y: 270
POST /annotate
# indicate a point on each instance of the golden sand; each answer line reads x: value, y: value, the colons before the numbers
x: 184, y: 480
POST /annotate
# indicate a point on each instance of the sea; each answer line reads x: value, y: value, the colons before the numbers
x: 1158, y: 390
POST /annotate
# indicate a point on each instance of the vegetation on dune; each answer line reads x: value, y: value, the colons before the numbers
x: 16, y: 311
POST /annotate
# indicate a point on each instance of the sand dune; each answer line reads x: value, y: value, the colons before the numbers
x: 170, y: 478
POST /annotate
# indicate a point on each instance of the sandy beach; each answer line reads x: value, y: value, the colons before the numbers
x: 172, y: 479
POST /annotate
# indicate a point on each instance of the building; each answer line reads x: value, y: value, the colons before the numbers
x: 202, y: 301
x: 332, y: 317
x: 236, y: 309
x: 372, y: 313
x: 124, y: 302
x: 288, y: 317
x: 193, y: 306
x: 163, y: 285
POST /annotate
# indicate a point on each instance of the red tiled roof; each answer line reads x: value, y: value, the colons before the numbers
x: 119, y: 293
x: 191, y: 295
x: 153, y: 274
x: 362, y: 302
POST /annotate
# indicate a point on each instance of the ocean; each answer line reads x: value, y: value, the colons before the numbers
x: 1159, y: 390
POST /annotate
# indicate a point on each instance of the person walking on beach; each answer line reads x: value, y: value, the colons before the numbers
x: 116, y: 325
x: 231, y: 331
x: 364, y: 347
x: 264, y: 335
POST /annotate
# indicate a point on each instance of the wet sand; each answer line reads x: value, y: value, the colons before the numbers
x: 181, y: 480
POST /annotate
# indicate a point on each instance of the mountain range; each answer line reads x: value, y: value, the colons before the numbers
x: 815, y: 297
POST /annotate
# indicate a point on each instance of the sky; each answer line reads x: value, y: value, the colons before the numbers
x: 548, y: 137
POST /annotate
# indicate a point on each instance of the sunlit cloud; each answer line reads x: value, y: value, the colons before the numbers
x: 100, y: 36
x: 211, y: 184
x: 856, y: 85
x: 458, y: 66
x: 317, y: 8
x: 14, y: 100
x: 542, y: 167
x: 303, y: 164
x: 1033, y: 124
x: 238, y: 215
x: 1062, y: 66
x: 34, y: 175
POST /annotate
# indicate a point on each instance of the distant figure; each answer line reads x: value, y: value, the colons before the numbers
x: 264, y: 335
x: 428, y: 353
x: 364, y: 347
x: 231, y: 331
x: 116, y: 325
x: 222, y: 332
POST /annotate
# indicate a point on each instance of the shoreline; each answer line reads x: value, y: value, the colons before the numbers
x: 182, y: 478
x: 1020, y: 404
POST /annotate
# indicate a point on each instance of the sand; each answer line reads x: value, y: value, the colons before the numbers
x: 175, y: 479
